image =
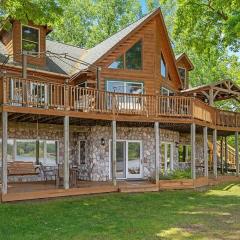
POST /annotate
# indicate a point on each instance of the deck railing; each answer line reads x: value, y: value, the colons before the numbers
x: 47, y: 95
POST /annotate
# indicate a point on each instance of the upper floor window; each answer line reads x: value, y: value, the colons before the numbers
x: 124, y: 87
x: 166, y: 92
x: 182, y: 73
x: 118, y: 64
x: 132, y: 59
x: 30, y: 39
x: 163, y: 67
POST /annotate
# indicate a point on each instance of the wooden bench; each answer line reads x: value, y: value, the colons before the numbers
x: 22, y: 169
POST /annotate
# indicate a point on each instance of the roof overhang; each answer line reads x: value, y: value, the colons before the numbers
x: 222, y: 90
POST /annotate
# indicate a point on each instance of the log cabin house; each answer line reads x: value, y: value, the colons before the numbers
x: 78, y: 121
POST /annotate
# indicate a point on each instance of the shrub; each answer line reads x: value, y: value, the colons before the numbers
x: 176, y: 174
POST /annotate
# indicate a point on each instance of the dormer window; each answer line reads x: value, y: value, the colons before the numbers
x: 182, y: 73
x: 163, y: 68
x: 30, y: 40
x: 131, y: 60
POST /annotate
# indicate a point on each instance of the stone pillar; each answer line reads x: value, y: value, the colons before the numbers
x: 114, y: 153
x: 157, y: 152
x: 66, y: 152
x: 205, y: 150
x: 237, y: 153
x: 215, y: 153
x: 4, y: 152
x: 193, y: 152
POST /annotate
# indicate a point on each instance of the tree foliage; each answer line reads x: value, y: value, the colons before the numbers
x: 88, y: 22
x: 38, y: 11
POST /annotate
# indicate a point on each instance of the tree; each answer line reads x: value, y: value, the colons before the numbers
x: 38, y: 11
x: 88, y: 22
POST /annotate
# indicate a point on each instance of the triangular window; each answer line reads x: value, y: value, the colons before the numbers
x: 163, y: 67
x: 118, y: 64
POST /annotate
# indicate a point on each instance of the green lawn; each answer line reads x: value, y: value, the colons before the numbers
x: 214, y: 214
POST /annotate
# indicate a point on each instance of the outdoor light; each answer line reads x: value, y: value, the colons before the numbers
x: 102, y: 141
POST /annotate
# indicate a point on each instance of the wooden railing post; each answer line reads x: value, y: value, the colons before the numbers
x: 113, y: 104
x: 5, y: 90
x: 66, y: 95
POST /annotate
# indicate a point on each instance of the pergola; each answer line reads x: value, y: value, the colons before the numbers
x: 222, y: 90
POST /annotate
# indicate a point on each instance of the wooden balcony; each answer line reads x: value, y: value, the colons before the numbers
x: 39, y: 97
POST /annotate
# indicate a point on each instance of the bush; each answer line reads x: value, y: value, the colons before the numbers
x: 176, y: 174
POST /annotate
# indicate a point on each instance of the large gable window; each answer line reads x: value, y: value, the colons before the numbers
x: 30, y: 39
x: 132, y: 59
x: 163, y: 67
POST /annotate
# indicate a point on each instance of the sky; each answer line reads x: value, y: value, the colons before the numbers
x: 144, y: 7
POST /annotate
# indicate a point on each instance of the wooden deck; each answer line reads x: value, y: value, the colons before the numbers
x: 46, y: 190
x: 54, y: 99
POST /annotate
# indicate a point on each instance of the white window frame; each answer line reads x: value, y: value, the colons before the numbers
x: 172, y: 147
x: 126, y: 157
x: 39, y: 34
x: 41, y: 98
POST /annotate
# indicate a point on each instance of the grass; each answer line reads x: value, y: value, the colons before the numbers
x: 178, y: 215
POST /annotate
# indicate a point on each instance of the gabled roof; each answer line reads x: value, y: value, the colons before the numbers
x: 54, y: 63
x: 97, y: 52
x: 222, y: 90
x: 184, y: 56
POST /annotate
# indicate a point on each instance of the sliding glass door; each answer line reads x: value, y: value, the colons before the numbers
x: 129, y: 159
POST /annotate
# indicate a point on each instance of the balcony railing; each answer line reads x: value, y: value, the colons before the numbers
x: 46, y: 95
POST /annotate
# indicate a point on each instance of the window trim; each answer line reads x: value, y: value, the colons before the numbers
x: 168, y: 90
x: 39, y: 41
x: 124, y: 83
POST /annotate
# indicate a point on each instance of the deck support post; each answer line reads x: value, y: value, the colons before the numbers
x: 215, y: 153
x: 226, y: 155
x: 4, y: 152
x: 205, y: 150
x: 237, y: 153
x: 114, y: 153
x: 66, y: 152
x: 193, y: 153
x: 157, y: 152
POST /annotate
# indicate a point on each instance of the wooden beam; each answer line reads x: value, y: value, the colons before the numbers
x: 114, y: 152
x: 66, y: 152
x: 193, y: 152
x: 157, y: 152
x: 237, y: 153
x: 211, y: 97
x: 215, y: 153
x: 226, y: 154
x: 4, y: 152
x: 205, y: 150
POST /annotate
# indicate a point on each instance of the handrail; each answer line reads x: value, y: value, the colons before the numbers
x: 41, y: 94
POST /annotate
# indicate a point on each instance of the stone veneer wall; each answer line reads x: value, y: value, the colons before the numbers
x: 97, y: 167
x: 47, y: 132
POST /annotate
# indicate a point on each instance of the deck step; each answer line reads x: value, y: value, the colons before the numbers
x: 138, y: 188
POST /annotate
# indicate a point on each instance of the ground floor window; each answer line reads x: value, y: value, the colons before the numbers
x: 184, y: 153
x: 82, y: 152
x: 167, y: 149
x: 26, y: 150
